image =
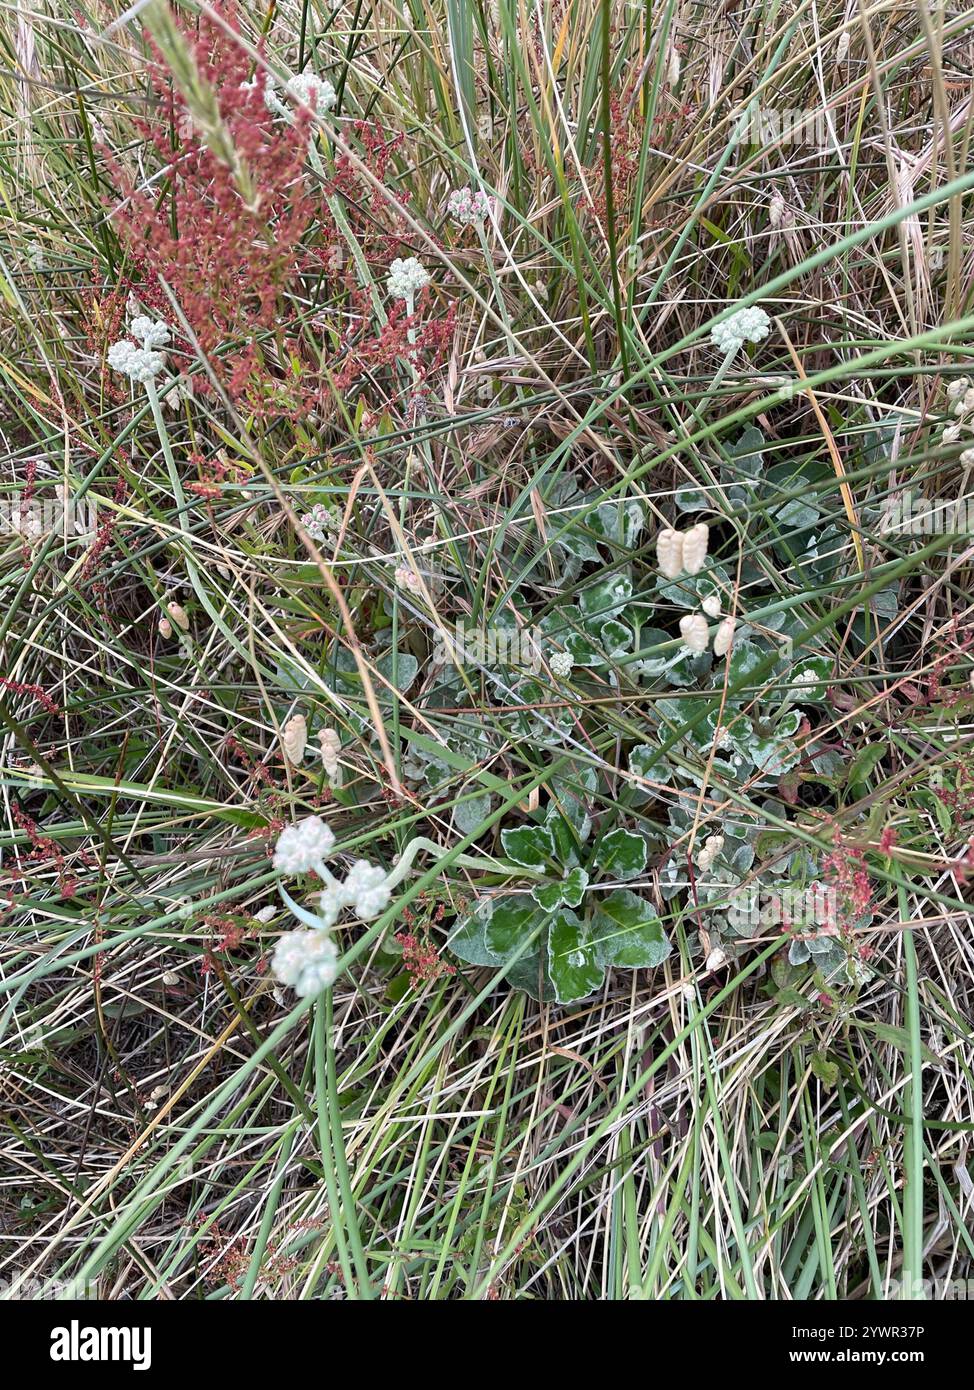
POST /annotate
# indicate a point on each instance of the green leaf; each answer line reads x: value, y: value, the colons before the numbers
x: 616, y: 638
x: 691, y: 499
x: 469, y: 941
x: 570, y: 891
x: 621, y: 854
x: 826, y: 1071
x: 528, y: 973
x: 866, y: 762
x: 573, y: 967
x: 792, y: 999
x: 896, y: 1037
x: 511, y: 923
x: 605, y: 599
x: 628, y: 932
x: 407, y: 668
x: 745, y: 658
x: 547, y: 896
x: 573, y: 887
x: 469, y: 815
x: 529, y: 845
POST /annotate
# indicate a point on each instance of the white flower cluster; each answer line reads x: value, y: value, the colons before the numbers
x: 141, y: 363
x: 406, y: 278
x: 467, y: 206
x: 306, y: 89
x: 306, y: 959
x: 303, y: 847
x: 561, y: 664
x: 408, y: 579
x: 321, y: 522
x: 743, y: 326
x: 960, y: 393
x: 365, y: 888
x: 153, y: 334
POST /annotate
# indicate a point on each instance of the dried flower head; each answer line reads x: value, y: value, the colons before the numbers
x: 694, y: 631
x: 178, y: 615
x: 695, y: 544
x: 407, y: 579
x: 711, y: 848
x: 669, y: 553
x: 294, y: 738
x: 331, y: 745
x: 724, y: 637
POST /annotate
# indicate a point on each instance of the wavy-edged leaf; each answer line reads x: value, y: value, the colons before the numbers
x: 627, y: 932
x: 573, y: 966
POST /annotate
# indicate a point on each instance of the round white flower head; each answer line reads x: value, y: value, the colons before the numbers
x: 151, y: 333
x: 743, y: 326
x: 406, y: 278
x: 366, y: 889
x: 306, y: 89
x: 561, y: 663
x: 331, y: 900
x: 694, y: 631
x: 408, y: 579
x: 141, y: 364
x: 316, y: 92
x: 321, y: 521
x: 669, y: 553
x: 467, y: 206
x: 301, y: 847
x: 305, y: 960
x: 711, y: 605
x: 958, y: 387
